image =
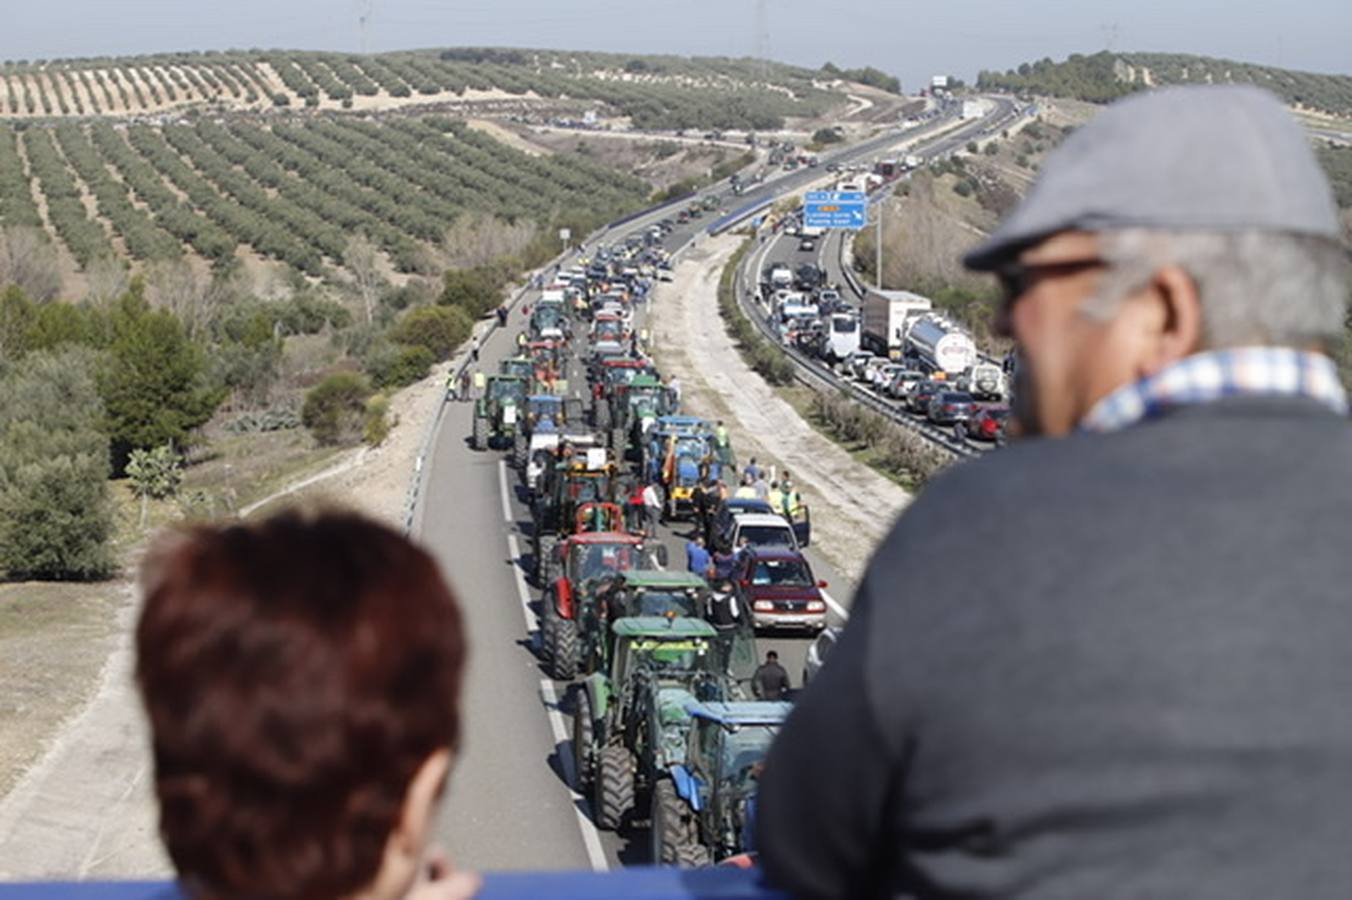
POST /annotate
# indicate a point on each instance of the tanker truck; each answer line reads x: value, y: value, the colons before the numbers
x: 940, y: 346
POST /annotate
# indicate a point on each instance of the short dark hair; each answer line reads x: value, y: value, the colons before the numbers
x: 296, y: 673
x: 771, y: 655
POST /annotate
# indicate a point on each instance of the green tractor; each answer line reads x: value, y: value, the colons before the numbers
x: 644, y: 592
x: 630, y: 722
x: 635, y: 408
x: 520, y: 366
x: 498, y: 412
x: 703, y: 807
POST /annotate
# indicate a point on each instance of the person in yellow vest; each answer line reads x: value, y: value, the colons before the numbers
x: 775, y: 498
x: 746, y: 490
x: 792, y: 501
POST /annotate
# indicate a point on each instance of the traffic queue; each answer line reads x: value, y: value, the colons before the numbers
x: 672, y: 707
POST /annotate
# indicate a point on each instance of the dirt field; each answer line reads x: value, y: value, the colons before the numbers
x: 852, y: 506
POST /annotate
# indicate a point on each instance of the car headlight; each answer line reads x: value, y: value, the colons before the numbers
x: 763, y: 606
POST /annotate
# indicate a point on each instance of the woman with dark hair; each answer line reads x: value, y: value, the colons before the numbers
x: 302, y: 677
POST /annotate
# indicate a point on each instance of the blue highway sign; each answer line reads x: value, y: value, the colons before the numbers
x: 835, y: 209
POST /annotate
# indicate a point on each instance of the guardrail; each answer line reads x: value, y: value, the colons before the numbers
x: 718, y: 883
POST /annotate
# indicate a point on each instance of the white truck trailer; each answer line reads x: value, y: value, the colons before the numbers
x: 887, y: 316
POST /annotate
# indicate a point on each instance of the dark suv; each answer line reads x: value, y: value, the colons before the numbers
x: 778, y: 586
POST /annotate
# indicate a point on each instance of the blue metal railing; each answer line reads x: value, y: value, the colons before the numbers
x: 719, y: 883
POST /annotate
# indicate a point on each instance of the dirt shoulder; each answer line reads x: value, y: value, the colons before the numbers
x: 852, y: 506
x: 76, y: 792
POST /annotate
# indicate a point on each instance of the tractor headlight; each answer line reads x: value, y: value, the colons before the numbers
x: 509, y: 415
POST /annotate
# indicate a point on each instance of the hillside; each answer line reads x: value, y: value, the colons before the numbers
x: 650, y: 92
x: 1105, y: 76
x: 294, y: 192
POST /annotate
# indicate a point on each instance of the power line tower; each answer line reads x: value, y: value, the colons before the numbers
x: 1109, y: 36
x: 365, y: 9
x: 763, y: 39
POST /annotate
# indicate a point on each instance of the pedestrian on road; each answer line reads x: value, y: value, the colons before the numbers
x: 1177, y: 596
x: 239, y: 815
x: 674, y: 387
x: 770, y: 682
x: 753, y: 469
x: 652, y: 507
x: 723, y: 611
x: 697, y: 559
x: 480, y: 384
x: 746, y: 490
x: 761, y: 487
x: 466, y: 393
x: 502, y: 316
x: 474, y: 348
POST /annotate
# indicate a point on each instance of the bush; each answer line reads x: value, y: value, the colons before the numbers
x: 476, y: 290
x: 439, y: 329
x: 335, y: 409
x: 826, y: 136
x: 394, y: 366
x: 55, y: 516
x: 377, y: 425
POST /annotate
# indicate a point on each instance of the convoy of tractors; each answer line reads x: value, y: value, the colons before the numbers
x: 666, y: 727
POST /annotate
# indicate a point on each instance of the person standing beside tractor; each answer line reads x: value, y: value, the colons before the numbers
x: 652, y: 507
x: 771, y: 681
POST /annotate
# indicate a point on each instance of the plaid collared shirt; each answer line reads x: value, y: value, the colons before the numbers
x: 1240, y: 372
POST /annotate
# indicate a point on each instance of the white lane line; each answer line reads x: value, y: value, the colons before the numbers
x: 836, y: 607
x: 591, y: 839
x: 506, y: 495
x: 513, y: 548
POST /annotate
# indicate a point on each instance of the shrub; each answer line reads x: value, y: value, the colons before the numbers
x: 826, y: 136
x: 377, y: 425
x: 394, y: 366
x: 335, y: 409
x: 439, y: 329
x: 55, y: 516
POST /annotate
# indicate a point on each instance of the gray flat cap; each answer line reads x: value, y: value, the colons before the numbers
x: 1227, y: 158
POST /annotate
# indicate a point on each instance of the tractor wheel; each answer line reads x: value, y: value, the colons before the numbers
x: 544, y: 553
x: 601, y: 415
x: 674, y: 832
x: 583, y: 735
x: 480, y: 441
x: 613, y: 787
x: 560, y: 646
x: 520, y: 447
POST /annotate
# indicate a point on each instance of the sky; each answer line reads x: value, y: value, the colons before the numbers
x: 912, y: 40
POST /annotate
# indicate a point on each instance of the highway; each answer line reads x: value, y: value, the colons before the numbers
x: 511, y: 804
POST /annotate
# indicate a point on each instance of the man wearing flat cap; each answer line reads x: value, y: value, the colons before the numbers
x: 1150, y: 694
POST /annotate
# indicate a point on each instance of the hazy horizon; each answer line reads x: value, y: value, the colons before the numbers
x: 910, y: 40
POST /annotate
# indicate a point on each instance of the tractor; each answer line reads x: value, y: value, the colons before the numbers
x: 585, y: 563
x: 607, y: 378
x: 521, y: 366
x: 703, y: 807
x: 547, y: 321
x: 682, y: 453
x: 544, y: 413
x: 645, y: 593
x: 496, y: 413
x: 635, y: 407
x: 577, y: 495
x: 629, y: 722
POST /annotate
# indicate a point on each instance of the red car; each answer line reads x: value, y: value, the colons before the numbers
x: 986, y: 424
x: 779, y: 587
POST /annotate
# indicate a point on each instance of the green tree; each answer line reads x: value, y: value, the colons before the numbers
x: 335, y: 409
x: 154, y: 387
x: 55, y: 516
x: 156, y: 474
x: 476, y: 290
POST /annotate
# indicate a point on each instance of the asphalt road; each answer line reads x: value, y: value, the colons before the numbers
x: 511, y: 804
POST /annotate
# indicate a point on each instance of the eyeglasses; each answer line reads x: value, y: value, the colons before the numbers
x: 1017, y: 278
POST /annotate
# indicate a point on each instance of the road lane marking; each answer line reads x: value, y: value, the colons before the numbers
x: 591, y: 839
x: 506, y: 495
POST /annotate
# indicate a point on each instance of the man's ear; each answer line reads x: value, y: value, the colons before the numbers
x: 420, y: 800
x: 1177, y: 318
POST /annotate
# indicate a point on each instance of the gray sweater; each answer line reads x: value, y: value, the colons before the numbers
x: 1109, y: 666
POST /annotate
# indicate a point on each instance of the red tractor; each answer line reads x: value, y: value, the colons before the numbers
x: 585, y: 562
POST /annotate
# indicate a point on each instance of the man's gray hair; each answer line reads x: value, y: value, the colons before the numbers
x: 1256, y: 287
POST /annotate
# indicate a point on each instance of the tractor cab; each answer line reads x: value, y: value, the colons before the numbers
x: 497, y: 412
x: 547, y: 321
x: 518, y: 366
x: 705, y: 810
